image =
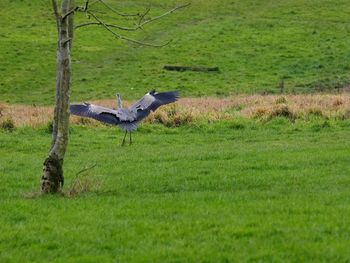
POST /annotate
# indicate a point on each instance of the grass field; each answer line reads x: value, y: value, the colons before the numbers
x: 200, y: 193
x: 233, y: 172
x: 254, y: 43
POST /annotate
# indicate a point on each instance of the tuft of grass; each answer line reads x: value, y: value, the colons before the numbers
x: 317, y: 112
x: 346, y: 115
x: 49, y: 127
x: 7, y: 125
x: 170, y: 116
x: 2, y: 108
x: 281, y: 100
x: 260, y: 112
x: 282, y: 111
x: 82, y: 185
x: 84, y: 121
x: 338, y: 102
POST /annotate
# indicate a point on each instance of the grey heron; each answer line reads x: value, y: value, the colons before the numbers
x: 126, y: 118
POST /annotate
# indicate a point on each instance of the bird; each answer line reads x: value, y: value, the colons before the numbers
x: 126, y: 118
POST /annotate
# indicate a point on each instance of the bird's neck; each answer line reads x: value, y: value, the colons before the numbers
x: 119, y: 103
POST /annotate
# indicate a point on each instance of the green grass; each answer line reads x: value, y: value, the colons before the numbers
x: 232, y: 191
x: 254, y: 43
x: 240, y: 190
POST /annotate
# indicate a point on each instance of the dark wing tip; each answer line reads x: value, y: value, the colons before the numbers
x: 176, y: 94
x: 163, y: 98
x: 79, y: 109
x: 167, y: 97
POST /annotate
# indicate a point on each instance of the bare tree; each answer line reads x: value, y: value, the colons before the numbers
x: 52, y: 179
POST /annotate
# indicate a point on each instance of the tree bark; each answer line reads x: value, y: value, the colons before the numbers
x: 52, y: 179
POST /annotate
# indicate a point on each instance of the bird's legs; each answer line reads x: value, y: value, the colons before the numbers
x: 123, y: 142
x: 130, y: 141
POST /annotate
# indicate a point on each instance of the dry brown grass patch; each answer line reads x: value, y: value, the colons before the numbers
x: 171, y: 116
x: 188, y: 110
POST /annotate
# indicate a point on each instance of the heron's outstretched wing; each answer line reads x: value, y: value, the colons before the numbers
x: 151, y: 101
x: 99, y: 113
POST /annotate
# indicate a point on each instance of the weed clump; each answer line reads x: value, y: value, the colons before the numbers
x: 180, y: 119
x: 49, y: 127
x: 236, y: 126
x: 282, y: 111
x: 83, y: 184
x: 171, y: 117
x: 279, y: 110
x: 338, y: 102
x: 345, y: 115
x: 317, y: 112
x: 281, y: 100
x: 158, y: 117
x: 260, y: 113
x: 85, y: 121
x: 321, y: 126
x: 7, y: 125
x: 2, y: 109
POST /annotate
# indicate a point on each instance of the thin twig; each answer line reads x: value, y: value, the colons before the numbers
x: 162, y: 15
x: 139, y: 26
x: 86, y: 5
x: 142, y: 16
x: 123, y: 37
x: 100, y: 24
x: 57, y: 16
x: 84, y: 170
x: 93, y: 2
x: 115, y: 11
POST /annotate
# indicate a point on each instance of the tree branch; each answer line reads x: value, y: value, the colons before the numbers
x: 142, y: 16
x: 84, y: 170
x: 55, y: 8
x: 115, y: 11
x: 70, y: 12
x: 162, y: 15
x: 139, y: 25
x: 55, y: 11
x: 100, y: 24
x: 86, y: 5
x: 123, y: 37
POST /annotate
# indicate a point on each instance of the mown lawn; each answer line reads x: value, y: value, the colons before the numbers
x: 255, y: 43
x: 219, y: 192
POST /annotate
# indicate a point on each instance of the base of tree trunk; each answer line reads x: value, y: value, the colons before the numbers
x: 52, y: 179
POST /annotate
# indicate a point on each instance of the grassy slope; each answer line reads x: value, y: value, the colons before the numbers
x: 254, y: 43
x: 226, y: 191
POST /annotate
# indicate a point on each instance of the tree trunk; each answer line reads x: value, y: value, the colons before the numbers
x: 52, y: 179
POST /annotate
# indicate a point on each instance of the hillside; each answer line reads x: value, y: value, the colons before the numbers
x: 254, y: 43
